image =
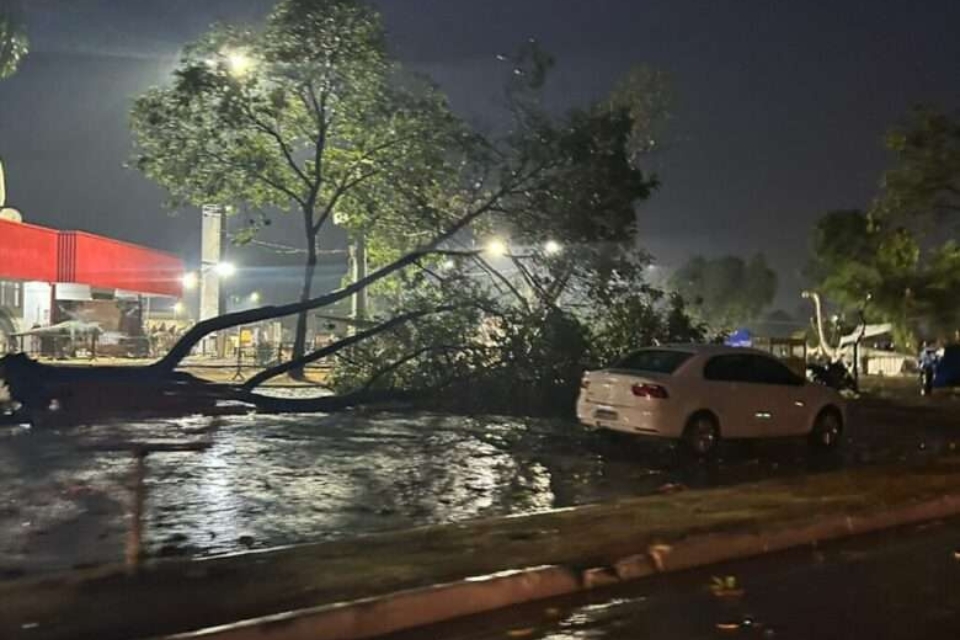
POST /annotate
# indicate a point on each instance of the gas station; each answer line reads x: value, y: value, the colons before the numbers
x: 51, y: 277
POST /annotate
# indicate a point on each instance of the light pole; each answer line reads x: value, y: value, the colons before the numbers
x: 213, y: 266
x: 212, y: 289
x: 212, y: 235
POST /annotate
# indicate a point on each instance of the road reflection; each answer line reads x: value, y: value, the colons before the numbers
x: 268, y: 480
x: 895, y: 585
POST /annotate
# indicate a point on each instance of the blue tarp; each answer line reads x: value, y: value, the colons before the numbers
x: 947, y: 371
x: 739, y: 338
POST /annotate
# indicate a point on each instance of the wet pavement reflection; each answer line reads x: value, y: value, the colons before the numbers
x: 899, y: 585
x: 267, y: 480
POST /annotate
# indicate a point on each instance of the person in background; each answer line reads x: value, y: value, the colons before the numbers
x: 928, y: 364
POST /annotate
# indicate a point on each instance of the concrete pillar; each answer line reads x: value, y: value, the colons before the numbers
x: 358, y: 271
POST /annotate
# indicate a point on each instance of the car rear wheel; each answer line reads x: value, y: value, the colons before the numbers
x: 701, y: 435
x: 827, y: 429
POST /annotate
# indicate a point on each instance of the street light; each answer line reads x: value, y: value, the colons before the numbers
x: 255, y: 297
x: 552, y: 247
x: 496, y: 247
x: 190, y: 280
x: 239, y: 63
x: 225, y: 269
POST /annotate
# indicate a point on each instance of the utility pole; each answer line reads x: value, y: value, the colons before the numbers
x: 221, y: 288
x: 212, y: 233
x: 358, y: 271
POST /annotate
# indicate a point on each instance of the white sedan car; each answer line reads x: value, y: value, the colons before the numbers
x: 700, y: 393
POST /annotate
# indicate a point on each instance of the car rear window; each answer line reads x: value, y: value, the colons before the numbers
x: 654, y: 360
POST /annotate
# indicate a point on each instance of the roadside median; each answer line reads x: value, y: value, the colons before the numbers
x: 378, y: 584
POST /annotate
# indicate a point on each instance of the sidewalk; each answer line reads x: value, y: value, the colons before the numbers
x: 575, y: 549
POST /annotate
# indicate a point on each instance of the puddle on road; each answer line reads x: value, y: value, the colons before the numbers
x: 268, y: 481
x: 282, y: 480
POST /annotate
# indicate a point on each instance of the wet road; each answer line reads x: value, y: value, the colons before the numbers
x: 900, y: 585
x: 267, y: 481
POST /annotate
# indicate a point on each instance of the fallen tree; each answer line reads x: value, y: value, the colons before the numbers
x: 68, y: 394
x: 65, y: 394
x: 563, y: 188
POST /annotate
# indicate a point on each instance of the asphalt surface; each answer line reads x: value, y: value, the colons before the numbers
x: 903, y: 584
x: 276, y: 480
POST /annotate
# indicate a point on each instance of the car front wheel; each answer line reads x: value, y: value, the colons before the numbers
x: 701, y: 435
x: 827, y: 429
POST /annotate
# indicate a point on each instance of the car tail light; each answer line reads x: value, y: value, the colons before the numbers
x: 647, y: 390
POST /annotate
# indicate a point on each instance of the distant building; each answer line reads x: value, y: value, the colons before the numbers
x: 49, y: 276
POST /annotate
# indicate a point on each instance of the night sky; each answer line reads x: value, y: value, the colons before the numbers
x: 782, y: 103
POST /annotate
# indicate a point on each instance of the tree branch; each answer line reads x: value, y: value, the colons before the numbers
x: 340, y: 191
x: 949, y: 188
x: 431, y: 273
x: 530, y: 280
x: 486, y: 266
x: 329, y: 350
x: 320, y: 145
x: 407, y: 358
x: 258, y: 176
x: 191, y: 338
x: 347, y: 184
x: 284, y: 147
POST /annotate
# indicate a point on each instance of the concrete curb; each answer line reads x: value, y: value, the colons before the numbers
x: 409, y: 609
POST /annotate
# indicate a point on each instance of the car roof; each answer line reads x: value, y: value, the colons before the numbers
x: 707, y: 349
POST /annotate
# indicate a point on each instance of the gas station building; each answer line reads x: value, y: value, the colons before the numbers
x: 48, y: 276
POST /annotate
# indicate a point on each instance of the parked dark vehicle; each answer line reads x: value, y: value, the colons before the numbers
x: 940, y: 370
x: 834, y: 375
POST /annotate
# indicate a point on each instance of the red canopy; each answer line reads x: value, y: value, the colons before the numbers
x: 29, y: 252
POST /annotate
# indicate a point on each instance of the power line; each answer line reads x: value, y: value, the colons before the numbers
x: 290, y: 250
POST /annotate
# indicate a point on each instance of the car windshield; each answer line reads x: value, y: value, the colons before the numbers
x: 654, y: 360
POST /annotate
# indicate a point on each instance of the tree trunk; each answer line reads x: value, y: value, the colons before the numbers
x: 825, y: 347
x: 300, y: 339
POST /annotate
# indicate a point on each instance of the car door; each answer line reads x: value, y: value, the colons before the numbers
x: 776, y: 398
x: 728, y: 391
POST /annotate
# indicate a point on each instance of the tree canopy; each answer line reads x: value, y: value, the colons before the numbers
x: 566, y: 288
x: 925, y: 182
x: 307, y: 115
x: 726, y: 292
x: 13, y: 39
x: 902, y: 254
x: 859, y: 259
